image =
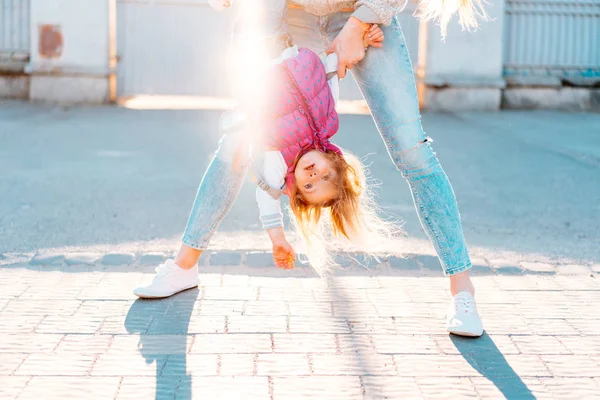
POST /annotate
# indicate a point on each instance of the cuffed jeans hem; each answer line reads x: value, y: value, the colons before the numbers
x: 458, y: 269
x: 193, y: 245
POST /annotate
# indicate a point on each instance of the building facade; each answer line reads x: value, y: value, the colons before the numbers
x: 531, y: 54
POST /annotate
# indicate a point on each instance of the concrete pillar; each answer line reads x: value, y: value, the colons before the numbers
x: 73, y: 51
x: 464, y: 72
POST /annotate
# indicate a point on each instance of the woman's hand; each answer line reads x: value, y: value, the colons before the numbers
x: 349, y: 46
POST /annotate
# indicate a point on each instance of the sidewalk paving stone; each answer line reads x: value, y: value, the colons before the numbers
x: 405, y: 344
x: 498, y: 344
x: 574, y: 269
x: 153, y: 258
x: 362, y: 364
x: 47, y: 259
x: 89, y: 388
x: 279, y: 364
x: 505, y: 267
x: 12, y: 386
x: 572, y: 365
x: 222, y: 387
x: 83, y: 344
x: 257, y: 324
x: 390, y: 387
x: 589, y: 345
x: 480, y: 267
x: 245, y: 336
x: 144, y: 387
x: 219, y: 307
x: 9, y: 362
x: 571, y: 388
x: 511, y: 388
x: 540, y: 345
x: 225, y: 258
x: 230, y: 343
x: 408, y: 264
x: 29, y: 343
x: 117, y: 259
x: 56, y: 364
x: 355, y: 343
x: 82, y: 258
x: 195, y: 364
x: 304, y: 343
x: 447, y: 388
x: 311, y: 308
x: 259, y: 259
x: 539, y: 268
x: 317, y: 387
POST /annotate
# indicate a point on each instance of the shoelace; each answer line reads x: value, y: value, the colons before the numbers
x: 161, y: 270
x: 464, y: 304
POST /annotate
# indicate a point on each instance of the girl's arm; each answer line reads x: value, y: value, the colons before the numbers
x: 331, y: 68
x: 273, y: 171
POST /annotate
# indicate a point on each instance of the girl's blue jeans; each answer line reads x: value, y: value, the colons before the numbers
x: 385, y: 77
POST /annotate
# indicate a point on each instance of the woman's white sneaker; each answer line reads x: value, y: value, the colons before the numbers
x: 463, y: 318
x: 169, y: 279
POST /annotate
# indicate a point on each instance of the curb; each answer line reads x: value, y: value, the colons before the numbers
x: 417, y: 263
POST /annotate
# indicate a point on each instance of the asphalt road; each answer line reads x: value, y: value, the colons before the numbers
x: 526, y: 182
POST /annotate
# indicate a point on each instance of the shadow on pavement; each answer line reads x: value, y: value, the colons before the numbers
x: 171, y: 316
x: 483, y: 355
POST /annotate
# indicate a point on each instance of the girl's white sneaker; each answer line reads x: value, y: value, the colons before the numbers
x: 463, y: 318
x: 169, y: 279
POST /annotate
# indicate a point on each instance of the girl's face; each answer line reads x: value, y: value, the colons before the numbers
x: 316, y: 177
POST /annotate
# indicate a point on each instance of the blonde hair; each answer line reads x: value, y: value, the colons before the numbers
x: 442, y: 11
x: 352, y: 216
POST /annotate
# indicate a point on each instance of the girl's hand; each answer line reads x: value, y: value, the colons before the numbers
x: 374, y: 37
x: 219, y: 5
x: 349, y: 46
x: 284, y: 255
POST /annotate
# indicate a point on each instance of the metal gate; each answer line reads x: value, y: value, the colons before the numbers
x: 180, y: 47
x: 14, y: 30
x: 553, y: 38
x: 171, y: 47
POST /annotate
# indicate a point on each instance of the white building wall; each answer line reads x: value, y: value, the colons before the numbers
x: 79, y: 71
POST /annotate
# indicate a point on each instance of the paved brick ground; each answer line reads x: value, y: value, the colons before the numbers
x: 76, y: 332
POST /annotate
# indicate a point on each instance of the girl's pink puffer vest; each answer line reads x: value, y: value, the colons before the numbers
x: 304, y: 108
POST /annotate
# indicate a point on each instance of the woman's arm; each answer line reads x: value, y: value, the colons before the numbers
x: 378, y: 11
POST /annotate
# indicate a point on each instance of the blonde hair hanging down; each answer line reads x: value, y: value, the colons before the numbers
x: 353, y: 219
x: 442, y: 11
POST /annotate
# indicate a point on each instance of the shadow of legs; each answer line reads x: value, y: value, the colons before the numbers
x: 152, y: 320
x: 484, y: 356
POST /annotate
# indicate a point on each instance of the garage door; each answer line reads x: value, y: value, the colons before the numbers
x: 557, y: 39
x: 14, y: 30
x: 176, y: 47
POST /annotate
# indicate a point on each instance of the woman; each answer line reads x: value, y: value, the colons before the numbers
x: 385, y: 77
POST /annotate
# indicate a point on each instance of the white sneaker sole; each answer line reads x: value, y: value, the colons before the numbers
x: 144, y: 296
x: 467, y: 334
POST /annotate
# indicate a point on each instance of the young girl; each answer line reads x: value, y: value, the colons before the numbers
x: 327, y: 188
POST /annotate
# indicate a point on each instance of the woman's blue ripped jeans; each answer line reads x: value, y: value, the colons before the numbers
x: 385, y: 77
x: 218, y: 190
